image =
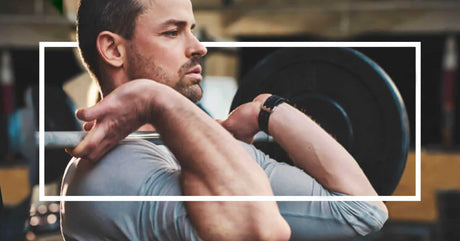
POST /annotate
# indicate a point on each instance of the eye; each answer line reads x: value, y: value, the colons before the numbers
x: 172, y: 33
x: 194, y: 32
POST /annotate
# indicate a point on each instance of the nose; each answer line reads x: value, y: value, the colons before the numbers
x: 196, y: 48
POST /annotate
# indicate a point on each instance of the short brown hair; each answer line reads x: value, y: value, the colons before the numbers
x: 95, y: 16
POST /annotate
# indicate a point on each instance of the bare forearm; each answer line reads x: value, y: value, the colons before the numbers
x: 205, y: 149
x: 319, y: 154
x: 214, y: 163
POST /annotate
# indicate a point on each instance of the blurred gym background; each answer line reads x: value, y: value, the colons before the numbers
x: 435, y: 23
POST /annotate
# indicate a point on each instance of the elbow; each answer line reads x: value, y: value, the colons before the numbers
x: 276, y: 231
x: 363, y: 217
x: 383, y: 207
x: 375, y: 220
x: 384, y: 214
x: 383, y: 217
x: 380, y: 216
x: 284, y: 234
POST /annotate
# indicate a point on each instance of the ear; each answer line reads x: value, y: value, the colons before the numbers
x: 111, y: 48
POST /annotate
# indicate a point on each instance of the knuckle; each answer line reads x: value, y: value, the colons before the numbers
x: 112, y: 129
x: 90, y: 146
x: 92, y: 157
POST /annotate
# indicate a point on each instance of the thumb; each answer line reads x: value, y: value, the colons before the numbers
x: 89, y: 114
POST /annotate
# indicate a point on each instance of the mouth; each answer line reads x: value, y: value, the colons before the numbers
x: 195, y: 72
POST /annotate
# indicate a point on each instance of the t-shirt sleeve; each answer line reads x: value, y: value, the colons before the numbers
x: 135, y: 168
x: 168, y: 220
x: 316, y: 219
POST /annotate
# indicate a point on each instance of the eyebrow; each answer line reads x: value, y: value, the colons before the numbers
x: 176, y: 22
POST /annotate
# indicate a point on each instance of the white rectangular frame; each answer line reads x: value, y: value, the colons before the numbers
x: 417, y: 197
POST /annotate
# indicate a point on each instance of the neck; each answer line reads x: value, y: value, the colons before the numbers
x: 111, y: 81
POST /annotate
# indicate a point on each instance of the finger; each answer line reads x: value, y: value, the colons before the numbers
x: 88, y: 125
x: 91, y: 113
x: 68, y: 151
x: 90, y: 143
x: 219, y: 121
x: 109, y: 141
x: 101, y: 150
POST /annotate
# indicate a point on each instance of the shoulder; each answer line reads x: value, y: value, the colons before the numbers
x: 132, y: 168
x: 141, y: 152
x: 122, y: 171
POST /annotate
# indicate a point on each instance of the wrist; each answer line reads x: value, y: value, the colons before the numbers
x: 267, y: 108
x: 260, y: 99
x: 156, y: 99
x: 258, y: 103
x: 165, y: 102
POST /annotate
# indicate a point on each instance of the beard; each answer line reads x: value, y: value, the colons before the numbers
x: 144, y: 67
x: 192, y: 89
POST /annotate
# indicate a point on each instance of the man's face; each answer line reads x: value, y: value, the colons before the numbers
x: 164, y: 48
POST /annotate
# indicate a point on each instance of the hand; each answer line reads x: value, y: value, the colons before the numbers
x: 112, y: 119
x: 242, y: 122
x: 261, y: 98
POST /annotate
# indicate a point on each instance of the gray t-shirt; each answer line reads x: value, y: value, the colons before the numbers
x: 139, y: 167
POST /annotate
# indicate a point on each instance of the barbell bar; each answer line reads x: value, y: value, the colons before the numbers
x: 70, y: 139
x: 343, y: 90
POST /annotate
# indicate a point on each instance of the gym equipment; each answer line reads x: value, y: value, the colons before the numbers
x: 59, y: 116
x: 69, y: 139
x: 348, y: 95
x: 344, y: 91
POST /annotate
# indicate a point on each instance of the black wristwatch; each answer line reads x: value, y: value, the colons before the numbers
x: 267, y: 108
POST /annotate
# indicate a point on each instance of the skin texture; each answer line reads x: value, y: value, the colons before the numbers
x: 165, y: 50
x: 209, y: 166
x: 241, y: 122
x: 310, y: 147
x: 159, y: 54
x: 162, y: 56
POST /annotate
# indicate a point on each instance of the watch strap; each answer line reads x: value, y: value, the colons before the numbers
x: 267, y: 108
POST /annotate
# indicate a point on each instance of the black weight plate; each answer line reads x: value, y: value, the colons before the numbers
x: 349, y: 95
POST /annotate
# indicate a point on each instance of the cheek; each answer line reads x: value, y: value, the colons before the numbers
x: 168, y: 55
x: 171, y: 60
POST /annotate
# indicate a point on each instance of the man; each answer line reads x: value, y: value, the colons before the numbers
x: 146, y: 59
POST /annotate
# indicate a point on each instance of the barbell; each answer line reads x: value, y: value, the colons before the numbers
x: 344, y: 91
